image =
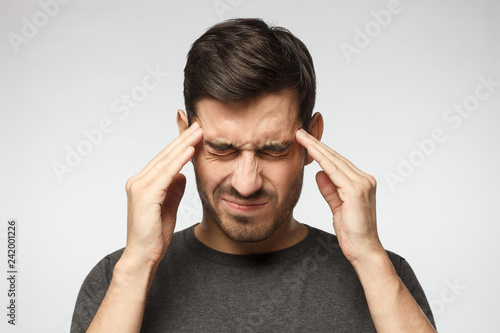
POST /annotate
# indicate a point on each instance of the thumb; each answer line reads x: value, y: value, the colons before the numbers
x: 175, y: 192
x: 328, y: 190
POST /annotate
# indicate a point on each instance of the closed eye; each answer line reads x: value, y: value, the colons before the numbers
x: 219, y: 149
x: 225, y: 152
x: 226, y: 149
x: 275, y: 152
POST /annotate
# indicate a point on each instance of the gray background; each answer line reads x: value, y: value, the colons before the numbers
x: 69, y: 75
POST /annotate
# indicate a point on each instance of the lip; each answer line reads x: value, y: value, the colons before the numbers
x: 244, y: 207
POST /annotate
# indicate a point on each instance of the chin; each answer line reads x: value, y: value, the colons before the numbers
x: 242, y: 229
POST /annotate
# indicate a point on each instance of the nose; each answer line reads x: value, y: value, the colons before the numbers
x: 246, y: 178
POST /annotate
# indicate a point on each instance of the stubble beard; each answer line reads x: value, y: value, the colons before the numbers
x: 245, y: 229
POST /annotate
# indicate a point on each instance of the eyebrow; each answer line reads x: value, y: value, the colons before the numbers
x: 219, y: 144
x: 275, y: 147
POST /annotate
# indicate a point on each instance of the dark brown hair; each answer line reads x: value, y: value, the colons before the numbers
x: 239, y: 59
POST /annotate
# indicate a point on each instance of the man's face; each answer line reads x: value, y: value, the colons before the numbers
x: 249, y: 166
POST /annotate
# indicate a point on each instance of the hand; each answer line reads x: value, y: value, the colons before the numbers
x: 350, y: 193
x: 153, y: 197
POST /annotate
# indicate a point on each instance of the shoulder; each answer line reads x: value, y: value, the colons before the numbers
x: 403, y: 268
x: 105, y: 266
x: 112, y: 258
x: 103, y: 270
x: 329, y: 243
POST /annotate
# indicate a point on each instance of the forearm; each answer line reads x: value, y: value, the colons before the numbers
x: 122, y: 308
x: 391, y: 305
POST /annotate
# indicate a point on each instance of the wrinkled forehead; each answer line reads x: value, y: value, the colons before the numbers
x: 271, y: 119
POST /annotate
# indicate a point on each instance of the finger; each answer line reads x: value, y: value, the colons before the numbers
x: 183, y: 139
x: 306, y: 140
x: 165, y: 168
x: 328, y: 160
x: 173, y: 197
x: 160, y: 176
x: 336, y: 174
x: 328, y: 191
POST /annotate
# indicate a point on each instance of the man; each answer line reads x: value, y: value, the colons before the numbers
x: 249, y: 266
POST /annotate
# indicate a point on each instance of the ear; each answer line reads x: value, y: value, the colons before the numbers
x: 182, y: 121
x: 316, y: 130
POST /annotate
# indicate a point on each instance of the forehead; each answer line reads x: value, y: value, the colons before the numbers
x: 270, y: 118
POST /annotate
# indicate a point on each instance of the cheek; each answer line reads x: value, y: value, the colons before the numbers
x: 282, y: 174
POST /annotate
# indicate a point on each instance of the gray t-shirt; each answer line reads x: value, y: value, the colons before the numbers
x: 309, y: 287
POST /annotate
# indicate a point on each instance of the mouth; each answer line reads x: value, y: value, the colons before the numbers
x: 244, y: 206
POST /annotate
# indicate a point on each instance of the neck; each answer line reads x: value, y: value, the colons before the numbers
x: 289, y: 233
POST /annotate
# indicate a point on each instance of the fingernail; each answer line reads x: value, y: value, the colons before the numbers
x: 302, y: 132
x: 195, y: 124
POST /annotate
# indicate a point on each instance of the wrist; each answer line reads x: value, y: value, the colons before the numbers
x: 375, y: 267
x: 370, y: 258
x: 366, y: 252
x: 134, y: 271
